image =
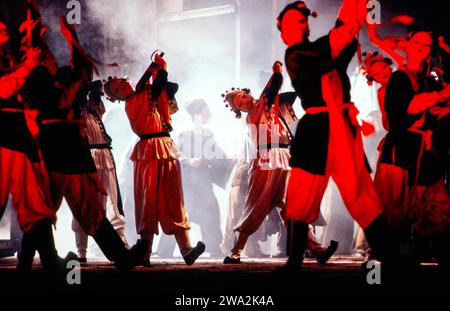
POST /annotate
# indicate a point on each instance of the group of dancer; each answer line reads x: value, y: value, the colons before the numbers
x: 53, y: 145
x: 408, y: 199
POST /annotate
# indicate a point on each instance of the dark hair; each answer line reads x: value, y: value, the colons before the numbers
x: 196, y: 106
x: 299, y: 6
x: 415, y: 29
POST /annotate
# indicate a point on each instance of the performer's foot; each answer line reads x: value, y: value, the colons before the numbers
x: 231, y: 261
x: 324, y: 256
x: 145, y: 263
x: 279, y: 255
x: 290, y: 268
x: 194, y: 253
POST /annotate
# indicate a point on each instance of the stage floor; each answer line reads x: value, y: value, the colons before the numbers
x: 253, y: 276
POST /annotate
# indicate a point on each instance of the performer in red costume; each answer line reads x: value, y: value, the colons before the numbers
x: 413, y: 159
x: 328, y: 141
x: 66, y: 153
x: 157, y: 175
x: 22, y: 171
x: 269, y: 171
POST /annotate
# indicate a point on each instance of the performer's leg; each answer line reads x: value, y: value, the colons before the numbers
x: 236, y: 203
x: 29, y: 196
x: 259, y: 202
x: 190, y: 254
x: 171, y: 211
x: 296, y: 244
x: 391, y: 184
x: 304, y: 194
x: 432, y: 210
x: 81, y: 240
x: 35, y: 213
x: 146, y: 244
x: 40, y: 237
x: 321, y: 253
x: 210, y: 229
x: 441, y: 243
x: 82, y: 198
x: 6, y: 168
x: 108, y: 179
x: 348, y: 169
x: 146, y: 177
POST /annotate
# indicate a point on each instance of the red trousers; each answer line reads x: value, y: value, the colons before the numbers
x: 346, y: 165
x: 28, y: 184
x: 158, y: 196
x: 81, y: 192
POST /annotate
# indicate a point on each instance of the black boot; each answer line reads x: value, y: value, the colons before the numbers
x: 296, y: 245
x: 42, y: 234
x: 325, y: 254
x: 144, y: 246
x: 441, y: 245
x: 382, y: 242
x: 114, y: 249
x: 194, y: 253
x: 27, y: 251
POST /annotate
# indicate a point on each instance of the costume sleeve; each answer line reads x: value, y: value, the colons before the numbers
x: 10, y: 84
x: 159, y: 84
x: 267, y: 98
x: 399, y: 94
x: 351, y: 18
x: 306, y: 64
x: 273, y: 88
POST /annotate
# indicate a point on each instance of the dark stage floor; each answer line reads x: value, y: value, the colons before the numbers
x: 168, y: 281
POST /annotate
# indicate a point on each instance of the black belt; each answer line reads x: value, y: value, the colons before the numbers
x: 154, y: 135
x: 100, y: 146
x: 272, y: 146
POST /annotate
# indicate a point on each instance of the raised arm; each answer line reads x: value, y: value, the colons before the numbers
x: 10, y: 84
x: 268, y: 96
x: 423, y: 101
x: 352, y: 16
x: 152, y: 69
x: 387, y: 46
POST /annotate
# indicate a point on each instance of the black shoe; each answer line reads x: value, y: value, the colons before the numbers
x: 145, y: 263
x: 114, y: 249
x: 296, y: 244
x: 194, y: 253
x: 279, y: 255
x: 322, y: 258
x: 45, y: 245
x: 27, y: 252
x: 231, y: 261
x: 381, y: 241
x: 290, y: 268
x: 139, y: 251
